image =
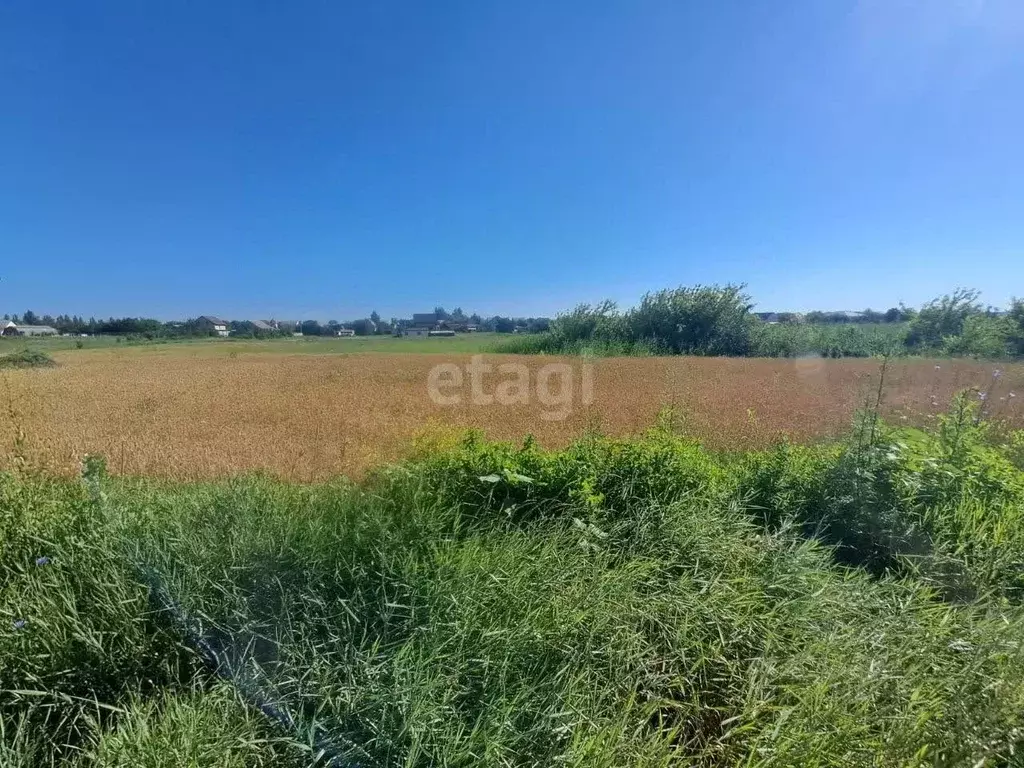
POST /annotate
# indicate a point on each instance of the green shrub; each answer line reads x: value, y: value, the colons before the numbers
x: 27, y: 358
x: 943, y: 318
x: 984, y: 336
x: 702, y: 320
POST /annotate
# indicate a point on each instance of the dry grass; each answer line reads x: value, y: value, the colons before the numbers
x: 194, y: 414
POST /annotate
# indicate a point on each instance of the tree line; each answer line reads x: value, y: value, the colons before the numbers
x: 192, y: 327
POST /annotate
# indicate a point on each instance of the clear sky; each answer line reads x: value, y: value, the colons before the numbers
x: 323, y: 159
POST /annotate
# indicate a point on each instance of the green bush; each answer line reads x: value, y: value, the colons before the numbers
x: 702, y: 320
x: 716, y: 320
x: 27, y: 358
x: 942, y: 318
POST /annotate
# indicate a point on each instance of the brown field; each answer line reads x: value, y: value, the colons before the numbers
x: 203, y: 413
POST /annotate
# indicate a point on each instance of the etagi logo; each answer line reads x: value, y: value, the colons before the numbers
x: 553, y: 385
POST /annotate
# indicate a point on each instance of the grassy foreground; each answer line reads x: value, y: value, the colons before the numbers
x: 616, y: 603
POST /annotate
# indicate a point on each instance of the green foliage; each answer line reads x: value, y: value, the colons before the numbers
x: 702, y: 320
x: 942, y: 318
x: 616, y: 603
x: 27, y: 358
x: 716, y: 320
x: 829, y: 340
x: 948, y: 506
x: 985, y: 336
x: 1015, y: 328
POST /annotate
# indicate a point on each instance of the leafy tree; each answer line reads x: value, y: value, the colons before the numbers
x: 363, y: 327
x: 311, y: 328
x: 30, y: 318
x: 440, y: 313
x: 943, y: 317
x: 374, y: 317
x: 503, y: 324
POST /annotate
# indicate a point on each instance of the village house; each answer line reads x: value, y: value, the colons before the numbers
x: 213, y: 325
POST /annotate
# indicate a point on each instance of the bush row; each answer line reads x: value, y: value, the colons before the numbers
x: 717, y: 320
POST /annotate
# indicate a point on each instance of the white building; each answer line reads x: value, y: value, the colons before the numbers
x: 12, y: 329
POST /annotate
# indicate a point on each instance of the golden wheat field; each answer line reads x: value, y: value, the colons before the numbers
x: 194, y: 412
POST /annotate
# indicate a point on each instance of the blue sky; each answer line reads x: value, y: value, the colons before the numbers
x: 323, y: 159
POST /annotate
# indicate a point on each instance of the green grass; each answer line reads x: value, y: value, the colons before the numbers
x: 768, y: 340
x: 617, y: 603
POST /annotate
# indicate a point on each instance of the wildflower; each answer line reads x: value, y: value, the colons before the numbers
x: 996, y: 374
x: 937, y: 367
x: 19, y: 624
x: 41, y: 561
x: 1012, y: 395
x: 982, y: 395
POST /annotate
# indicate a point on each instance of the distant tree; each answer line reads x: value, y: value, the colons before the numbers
x: 363, y: 326
x: 440, y: 313
x: 503, y: 324
x: 242, y: 329
x: 30, y: 318
x: 458, y: 315
x: 311, y: 328
x: 475, y: 319
x: 375, y: 317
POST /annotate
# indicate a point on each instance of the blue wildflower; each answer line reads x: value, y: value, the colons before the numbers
x: 20, y: 624
x: 41, y: 561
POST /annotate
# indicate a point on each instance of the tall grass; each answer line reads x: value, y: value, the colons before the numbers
x: 617, y: 603
x: 717, y: 320
x: 830, y: 340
